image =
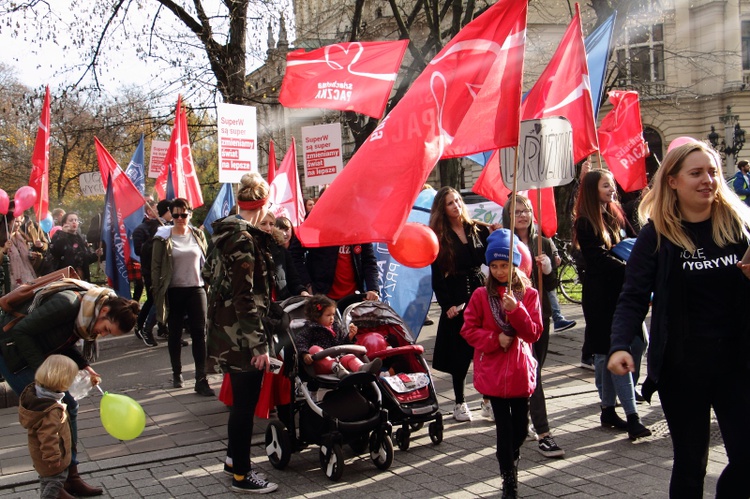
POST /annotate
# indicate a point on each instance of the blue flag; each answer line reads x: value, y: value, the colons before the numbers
x: 170, y: 186
x: 597, y: 56
x: 136, y: 174
x: 116, y: 245
x: 222, y: 204
x: 598, y: 45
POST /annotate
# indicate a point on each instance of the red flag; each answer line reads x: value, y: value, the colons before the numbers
x: 490, y: 182
x: 271, y: 162
x: 39, y: 178
x: 356, y: 76
x: 286, y: 194
x: 549, y: 210
x: 564, y: 89
x: 127, y: 196
x: 371, y: 198
x: 179, y: 161
x: 621, y: 139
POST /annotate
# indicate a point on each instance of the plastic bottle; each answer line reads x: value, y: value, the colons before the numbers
x: 81, y: 385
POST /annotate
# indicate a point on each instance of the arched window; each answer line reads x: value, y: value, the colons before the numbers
x: 655, y: 145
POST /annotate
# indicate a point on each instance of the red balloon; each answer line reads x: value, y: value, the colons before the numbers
x: 4, y: 202
x: 373, y: 342
x: 53, y: 230
x: 416, y: 246
x: 24, y: 198
x: 526, y: 261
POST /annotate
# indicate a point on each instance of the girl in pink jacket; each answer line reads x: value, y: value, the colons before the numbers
x: 501, y: 326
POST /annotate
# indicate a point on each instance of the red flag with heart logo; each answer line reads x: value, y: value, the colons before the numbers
x: 179, y: 162
x: 621, y: 140
x: 564, y: 89
x: 371, y: 198
x: 127, y: 197
x: 355, y: 76
x: 39, y: 178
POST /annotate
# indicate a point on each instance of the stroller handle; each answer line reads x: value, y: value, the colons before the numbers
x: 390, y: 352
x: 340, y: 350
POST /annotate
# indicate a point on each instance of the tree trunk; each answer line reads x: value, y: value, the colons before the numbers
x: 450, y: 173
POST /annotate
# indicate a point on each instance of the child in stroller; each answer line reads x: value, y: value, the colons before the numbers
x: 321, y: 332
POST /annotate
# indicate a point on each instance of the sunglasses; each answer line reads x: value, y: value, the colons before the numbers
x: 180, y: 215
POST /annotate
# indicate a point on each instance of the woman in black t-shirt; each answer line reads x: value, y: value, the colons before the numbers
x: 688, y: 256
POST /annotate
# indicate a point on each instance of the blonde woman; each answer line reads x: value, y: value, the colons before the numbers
x: 687, y: 255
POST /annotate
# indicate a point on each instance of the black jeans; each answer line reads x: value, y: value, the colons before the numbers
x: 711, y: 374
x: 511, y: 426
x: 190, y: 302
x: 146, y: 308
x: 537, y: 404
x: 245, y: 391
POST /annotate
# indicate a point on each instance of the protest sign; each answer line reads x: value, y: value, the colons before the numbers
x: 238, y: 141
x: 156, y: 160
x: 545, y: 155
x: 322, y: 153
x: 91, y: 184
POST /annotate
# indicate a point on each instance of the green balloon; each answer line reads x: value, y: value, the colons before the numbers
x: 122, y: 417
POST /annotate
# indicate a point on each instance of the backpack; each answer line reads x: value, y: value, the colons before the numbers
x: 11, y: 302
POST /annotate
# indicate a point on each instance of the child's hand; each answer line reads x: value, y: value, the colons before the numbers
x: 509, y: 302
x: 505, y: 341
x: 545, y: 263
x: 307, y: 359
x: 352, y: 331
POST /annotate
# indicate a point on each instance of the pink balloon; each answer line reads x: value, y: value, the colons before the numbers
x: 53, y: 230
x: 4, y: 202
x: 25, y: 198
x: 526, y: 260
x: 681, y: 141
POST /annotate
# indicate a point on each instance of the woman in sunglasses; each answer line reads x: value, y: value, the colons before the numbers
x: 179, y: 252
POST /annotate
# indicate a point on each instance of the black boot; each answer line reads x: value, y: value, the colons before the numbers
x: 610, y: 419
x: 635, y: 428
x: 510, y: 482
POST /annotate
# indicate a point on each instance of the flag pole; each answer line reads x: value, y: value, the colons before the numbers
x: 539, y: 241
x: 514, y: 192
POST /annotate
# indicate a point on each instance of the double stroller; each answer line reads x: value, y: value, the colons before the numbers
x: 407, y: 388
x: 325, y: 410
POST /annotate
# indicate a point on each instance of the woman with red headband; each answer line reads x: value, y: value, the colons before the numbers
x: 239, y: 271
x: 179, y: 252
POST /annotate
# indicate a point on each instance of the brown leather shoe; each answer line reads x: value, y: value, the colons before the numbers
x: 76, y: 486
x: 64, y: 495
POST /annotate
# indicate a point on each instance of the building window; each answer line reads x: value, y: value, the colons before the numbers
x: 746, y: 45
x: 641, y: 59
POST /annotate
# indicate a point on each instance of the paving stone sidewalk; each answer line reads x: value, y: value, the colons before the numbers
x: 181, y: 451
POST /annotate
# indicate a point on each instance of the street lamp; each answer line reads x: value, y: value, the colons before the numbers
x: 731, y: 129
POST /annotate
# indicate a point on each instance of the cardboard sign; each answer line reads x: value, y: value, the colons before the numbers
x: 545, y: 155
x: 91, y: 184
x: 238, y: 141
x: 322, y: 152
x: 156, y: 160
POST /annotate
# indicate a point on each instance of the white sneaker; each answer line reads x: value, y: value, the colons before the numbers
x: 461, y: 412
x: 486, y: 411
x: 531, y: 435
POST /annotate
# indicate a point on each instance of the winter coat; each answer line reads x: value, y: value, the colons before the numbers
x: 143, y: 243
x: 48, y: 329
x: 317, y: 266
x: 287, y: 279
x: 162, y: 266
x: 602, y: 282
x: 48, y: 429
x: 497, y: 373
x: 451, y: 350
x: 239, y: 271
x: 68, y: 249
x: 313, y: 333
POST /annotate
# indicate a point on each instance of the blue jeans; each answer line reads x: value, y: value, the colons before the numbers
x: 557, y: 315
x: 612, y: 386
x: 23, y: 378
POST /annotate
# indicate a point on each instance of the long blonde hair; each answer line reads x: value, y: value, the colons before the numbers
x: 729, y: 214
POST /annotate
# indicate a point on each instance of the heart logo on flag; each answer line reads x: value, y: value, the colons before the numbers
x: 343, y: 54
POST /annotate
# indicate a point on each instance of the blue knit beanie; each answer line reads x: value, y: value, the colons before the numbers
x: 498, y: 245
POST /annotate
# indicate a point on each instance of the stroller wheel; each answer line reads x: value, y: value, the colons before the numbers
x: 381, y: 450
x: 436, y: 431
x: 332, y: 461
x: 403, y: 438
x: 278, y: 445
x: 417, y: 426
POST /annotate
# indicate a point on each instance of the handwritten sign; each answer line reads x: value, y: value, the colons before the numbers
x: 545, y: 155
x: 91, y: 184
x: 156, y: 160
x: 238, y: 141
x: 322, y: 152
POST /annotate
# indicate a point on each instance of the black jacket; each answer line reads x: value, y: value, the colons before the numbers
x: 317, y: 266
